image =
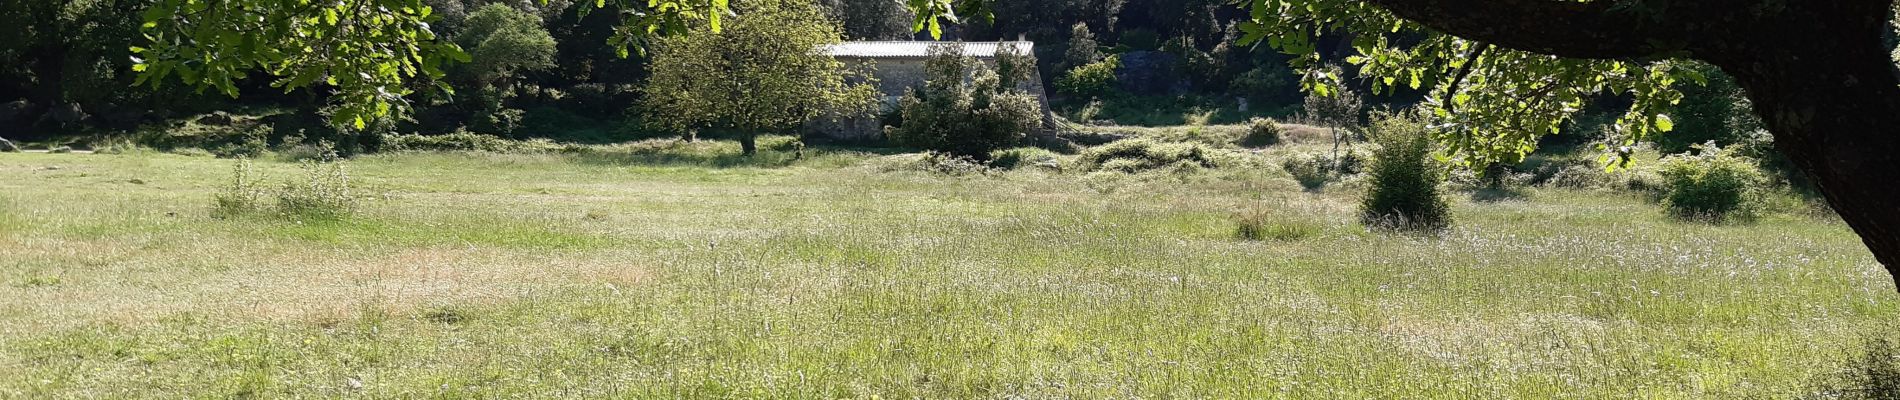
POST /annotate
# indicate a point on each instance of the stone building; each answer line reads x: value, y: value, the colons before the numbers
x: 899, y: 67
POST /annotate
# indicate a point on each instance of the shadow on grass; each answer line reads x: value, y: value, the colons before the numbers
x: 1493, y: 195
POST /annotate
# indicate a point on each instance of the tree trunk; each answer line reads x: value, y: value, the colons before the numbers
x: 749, y: 143
x: 1826, y: 86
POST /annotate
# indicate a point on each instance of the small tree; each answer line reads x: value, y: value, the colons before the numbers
x: 966, y: 109
x: 764, y: 72
x: 1082, y: 46
x: 1340, y: 108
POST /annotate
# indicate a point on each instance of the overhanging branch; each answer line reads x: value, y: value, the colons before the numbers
x: 1573, y: 29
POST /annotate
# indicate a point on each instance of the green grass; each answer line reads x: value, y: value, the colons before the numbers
x: 687, y: 273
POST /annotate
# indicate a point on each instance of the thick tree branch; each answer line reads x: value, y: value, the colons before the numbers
x: 1563, y: 28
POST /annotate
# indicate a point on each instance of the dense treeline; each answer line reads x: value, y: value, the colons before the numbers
x: 542, y: 69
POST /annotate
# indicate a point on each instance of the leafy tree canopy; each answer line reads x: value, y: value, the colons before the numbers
x: 367, y: 51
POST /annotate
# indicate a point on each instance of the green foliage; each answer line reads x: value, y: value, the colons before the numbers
x: 1312, y: 171
x: 1713, y: 185
x: 368, y: 51
x: 322, y: 193
x: 1138, y: 155
x: 872, y: 19
x: 1092, y: 79
x: 242, y: 196
x: 1492, y: 103
x: 1083, y: 49
x: 1404, y: 179
x: 764, y: 73
x: 965, y: 117
x: 1713, y: 111
x: 501, y: 41
x: 1262, y: 132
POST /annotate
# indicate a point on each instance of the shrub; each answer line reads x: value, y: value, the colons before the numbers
x: 1404, y: 179
x: 241, y: 197
x: 1313, y: 171
x: 1025, y: 157
x: 458, y: 141
x: 1261, y: 132
x: 949, y: 164
x: 1136, y: 155
x: 1259, y: 226
x: 1092, y: 79
x: 966, y: 118
x: 324, y: 193
x: 1712, y: 185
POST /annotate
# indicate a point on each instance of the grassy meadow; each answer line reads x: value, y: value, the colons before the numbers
x: 689, y: 272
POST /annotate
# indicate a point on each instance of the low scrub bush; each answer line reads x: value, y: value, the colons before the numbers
x: 1312, y: 171
x: 966, y: 118
x: 322, y: 192
x: 242, y: 196
x: 1404, y: 178
x: 468, y: 141
x: 1023, y: 157
x: 1090, y: 80
x: 1713, y: 185
x: 1262, y: 132
x: 1137, y: 155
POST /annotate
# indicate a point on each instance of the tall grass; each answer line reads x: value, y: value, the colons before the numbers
x: 484, y: 275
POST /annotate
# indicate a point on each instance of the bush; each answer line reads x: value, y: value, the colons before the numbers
x: 1136, y: 155
x: 1092, y: 79
x: 323, y: 193
x: 1404, y: 179
x: 1262, y: 132
x: 458, y: 141
x: 966, y: 118
x: 241, y: 197
x: 1712, y: 185
x: 1025, y: 157
x: 1313, y: 171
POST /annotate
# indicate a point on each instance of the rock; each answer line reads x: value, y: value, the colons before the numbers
x: 6, y: 146
x: 1150, y: 72
x: 68, y: 113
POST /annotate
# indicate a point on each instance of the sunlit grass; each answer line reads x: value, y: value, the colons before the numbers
x: 684, y: 273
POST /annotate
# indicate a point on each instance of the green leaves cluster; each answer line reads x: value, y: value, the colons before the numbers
x: 765, y: 72
x: 1487, y: 104
x: 368, y: 52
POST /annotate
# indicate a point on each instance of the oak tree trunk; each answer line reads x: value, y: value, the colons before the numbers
x: 1826, y: 87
